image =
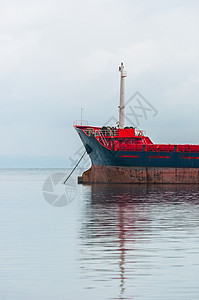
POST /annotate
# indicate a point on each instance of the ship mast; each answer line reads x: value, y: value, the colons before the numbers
x: 121, y: 106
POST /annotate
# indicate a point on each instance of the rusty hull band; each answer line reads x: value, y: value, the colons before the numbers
x: 110, y: 174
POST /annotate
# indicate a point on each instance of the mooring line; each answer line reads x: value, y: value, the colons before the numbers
x: 74, y: 168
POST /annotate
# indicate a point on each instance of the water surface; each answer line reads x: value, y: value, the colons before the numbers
x: 110, y: 242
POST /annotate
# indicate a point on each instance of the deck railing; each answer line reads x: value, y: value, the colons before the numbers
x: 101, y: 132
x: 105, y: 138
x: 80, y: 123
x: 139, y: 132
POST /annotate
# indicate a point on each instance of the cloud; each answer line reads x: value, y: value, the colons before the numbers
x: 59, y: 56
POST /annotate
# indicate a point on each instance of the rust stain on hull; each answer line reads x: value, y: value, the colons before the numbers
x: 109, y: 174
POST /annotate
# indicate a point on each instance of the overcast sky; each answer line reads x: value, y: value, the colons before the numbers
x: 59, y: 56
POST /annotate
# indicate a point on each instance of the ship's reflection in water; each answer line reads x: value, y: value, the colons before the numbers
x: 137, y: 241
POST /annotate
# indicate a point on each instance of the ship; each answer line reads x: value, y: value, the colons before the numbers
x: 127, y: 155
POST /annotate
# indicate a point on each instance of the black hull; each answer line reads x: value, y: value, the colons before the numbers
x: 102, y: 156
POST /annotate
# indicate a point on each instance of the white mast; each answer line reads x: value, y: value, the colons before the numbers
x: 121, y: 106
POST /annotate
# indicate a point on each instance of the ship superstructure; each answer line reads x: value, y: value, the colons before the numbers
x: 129, y: 148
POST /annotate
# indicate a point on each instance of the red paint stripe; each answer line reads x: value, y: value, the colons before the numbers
x: 190, y: 157
x: 129, y: 156
x: 151, y: 156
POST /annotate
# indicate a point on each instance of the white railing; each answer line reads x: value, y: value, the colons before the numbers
x: 103, y: 139
x: 80, y: 122
x: 104, y: 133
x: 139, y: 132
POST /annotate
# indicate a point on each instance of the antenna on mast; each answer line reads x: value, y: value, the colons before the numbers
x: 81, y: 114
x: 121, y: 106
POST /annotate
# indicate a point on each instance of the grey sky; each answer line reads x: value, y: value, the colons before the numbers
x: 59, y: 56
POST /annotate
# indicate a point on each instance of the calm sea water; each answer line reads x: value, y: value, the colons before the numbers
x: 109, y: 242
